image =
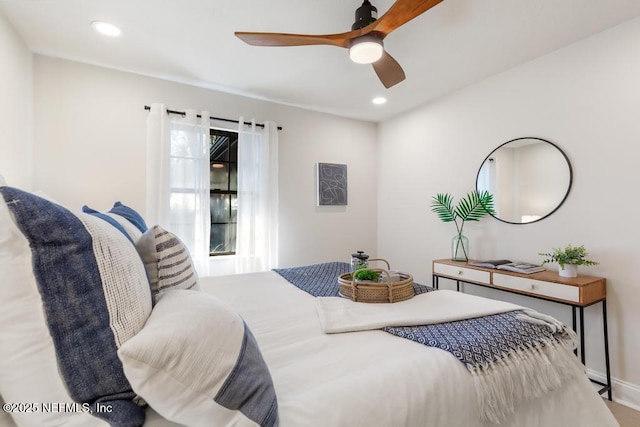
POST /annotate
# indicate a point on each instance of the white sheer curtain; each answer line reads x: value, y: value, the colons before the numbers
x: 257, y: 232
x: 178, y: 178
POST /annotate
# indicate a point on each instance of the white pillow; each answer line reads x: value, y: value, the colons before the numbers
x: 73, y: 289
x: 5, y: 418
x: 167, y: 261
x: 196, y: 362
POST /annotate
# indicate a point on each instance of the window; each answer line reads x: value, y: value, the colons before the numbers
x: 223, y: 153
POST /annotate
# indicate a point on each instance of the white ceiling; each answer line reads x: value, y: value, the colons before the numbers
x: 456, y: 43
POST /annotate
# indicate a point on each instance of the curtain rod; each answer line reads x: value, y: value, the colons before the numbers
x: 182, y: 113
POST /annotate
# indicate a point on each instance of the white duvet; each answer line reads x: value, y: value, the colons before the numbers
x: 371, y: 378
x: 338, y: 314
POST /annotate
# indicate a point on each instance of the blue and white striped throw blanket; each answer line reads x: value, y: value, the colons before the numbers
x: 513, y: 356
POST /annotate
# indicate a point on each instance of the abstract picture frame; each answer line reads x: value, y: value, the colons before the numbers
x: 331, y: 181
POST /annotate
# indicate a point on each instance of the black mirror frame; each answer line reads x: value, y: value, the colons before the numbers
x: 568, y: 187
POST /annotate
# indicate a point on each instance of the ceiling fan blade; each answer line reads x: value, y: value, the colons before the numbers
x: 401, y: 12
x: 283, y: 39
x: 388, y: 70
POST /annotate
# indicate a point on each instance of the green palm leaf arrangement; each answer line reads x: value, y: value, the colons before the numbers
x: 472, y: 207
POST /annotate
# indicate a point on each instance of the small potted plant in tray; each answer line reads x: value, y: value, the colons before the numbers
x: 362, y: 274
x: 568, y: 259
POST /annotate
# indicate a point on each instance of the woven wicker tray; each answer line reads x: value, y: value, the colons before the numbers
x: 377, y: 292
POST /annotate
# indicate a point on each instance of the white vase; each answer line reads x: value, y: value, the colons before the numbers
x: 569, y: 270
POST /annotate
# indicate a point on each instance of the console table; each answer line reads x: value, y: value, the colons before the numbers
x: 577, y: 292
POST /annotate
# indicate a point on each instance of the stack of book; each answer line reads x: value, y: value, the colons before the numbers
x: 505, y: 264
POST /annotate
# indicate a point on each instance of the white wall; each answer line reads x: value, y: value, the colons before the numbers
x: 16, y: 107
x: 90, y: 149
x: 586, y: 99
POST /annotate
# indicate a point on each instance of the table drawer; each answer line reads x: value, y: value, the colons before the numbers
x: 462, y: 273
x: 538, y: 287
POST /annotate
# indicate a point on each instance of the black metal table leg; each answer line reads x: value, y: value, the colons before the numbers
x: 606, y: 348
x: 573, y: 312
x: 582, y: 335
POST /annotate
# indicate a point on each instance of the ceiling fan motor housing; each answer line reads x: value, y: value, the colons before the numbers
x: 364, y: 41
x: 365, y: 15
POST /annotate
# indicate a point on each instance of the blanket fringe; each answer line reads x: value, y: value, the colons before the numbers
x: 558, y: 329
x: 527, y: 373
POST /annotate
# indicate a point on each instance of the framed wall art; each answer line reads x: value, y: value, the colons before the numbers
x: 332, y: 184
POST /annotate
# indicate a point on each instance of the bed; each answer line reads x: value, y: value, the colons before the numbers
x: 167, y: 350
x: 373, y: 377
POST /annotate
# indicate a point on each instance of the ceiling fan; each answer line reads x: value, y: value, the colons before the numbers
x: 364, y: 41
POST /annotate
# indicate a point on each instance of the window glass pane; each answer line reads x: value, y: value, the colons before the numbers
x: 187, y: 202
x: 233, y: 182
x: 219, y: 148
x: 218, y: 238
x: 183, y: 143
x: 231, y: 233
x: 219, y: 208
x: 233, y: 149
x: 234, y: 208
x: 183, y: 172
x: 219, y: 176
x: 223, y: 238
x: 223, y: 176
x: 183, y: 206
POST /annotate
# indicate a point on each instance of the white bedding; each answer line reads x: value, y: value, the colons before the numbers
x: 372, y: 378
x: 343, y: 315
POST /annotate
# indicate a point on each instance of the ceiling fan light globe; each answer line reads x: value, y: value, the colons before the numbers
x: 366, y: 52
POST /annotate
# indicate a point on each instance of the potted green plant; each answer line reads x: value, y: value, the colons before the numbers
x: 363, y: 274
x: 568, y: 259
x: 472, y: 207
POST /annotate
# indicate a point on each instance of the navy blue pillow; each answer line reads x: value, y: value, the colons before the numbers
x: 131, y: 215
x: 94, y: 296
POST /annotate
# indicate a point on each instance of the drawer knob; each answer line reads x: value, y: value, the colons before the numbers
x: 533, y: 286
x: 460, y: 272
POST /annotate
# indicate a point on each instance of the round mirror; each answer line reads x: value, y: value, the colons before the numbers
x: 529, y: 179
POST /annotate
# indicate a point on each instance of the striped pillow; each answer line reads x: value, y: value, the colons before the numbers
x: 167, y: 261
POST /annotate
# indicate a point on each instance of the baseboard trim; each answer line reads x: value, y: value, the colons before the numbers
x: 624, y: 393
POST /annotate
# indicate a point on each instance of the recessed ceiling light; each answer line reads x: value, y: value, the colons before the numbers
x: 106, y: 28
x: 379, y: 100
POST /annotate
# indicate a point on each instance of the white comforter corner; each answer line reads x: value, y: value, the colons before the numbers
x: 337, y: 315
x: 372, y: 378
